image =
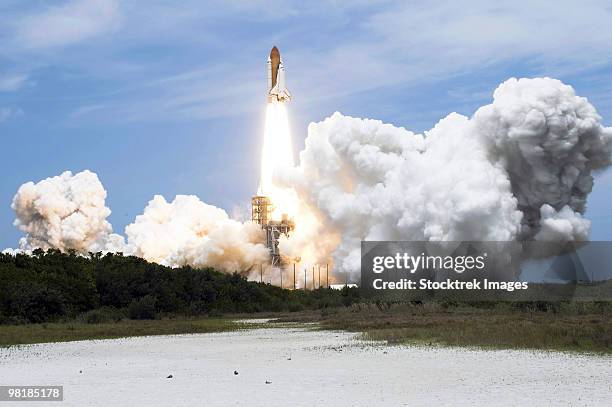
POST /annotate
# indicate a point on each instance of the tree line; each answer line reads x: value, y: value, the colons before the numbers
x: 53, y: 286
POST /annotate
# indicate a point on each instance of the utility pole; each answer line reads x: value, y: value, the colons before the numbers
x: 304, y: 279
x: 313, y: 279
x: 261, y: 273
x: 327, y: 270
x: 294, y: 275
x: 319, y: 276
x: 280, y: 269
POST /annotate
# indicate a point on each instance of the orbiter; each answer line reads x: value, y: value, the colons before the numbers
x: 277, y: 89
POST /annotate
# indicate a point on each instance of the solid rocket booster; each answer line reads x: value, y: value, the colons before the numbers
x: 277, y: 89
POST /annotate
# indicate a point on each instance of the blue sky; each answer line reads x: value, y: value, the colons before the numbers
x: 163, y: 97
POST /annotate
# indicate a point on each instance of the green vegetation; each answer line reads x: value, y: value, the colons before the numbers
x: 583, y: 327
x: 75, y: 331
x: 53, y: 296
x: 54, y: 287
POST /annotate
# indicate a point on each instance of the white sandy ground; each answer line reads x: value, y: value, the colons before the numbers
x: 305, y: 368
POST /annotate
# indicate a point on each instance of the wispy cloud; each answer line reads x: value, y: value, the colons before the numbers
x: 408, y: 42
x: 11, y: 83
x: 200, y: 94
x: 195, y: 62
x: 9, y: 112
x: 84, y: 110
x: 68, y: 24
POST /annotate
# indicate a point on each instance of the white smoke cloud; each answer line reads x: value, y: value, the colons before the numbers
x: 563, y: 225
x: 12, y: 252
x: 69, y: 212
x: 65, y: 212
x: 519, y: 169
x: 187, y: 231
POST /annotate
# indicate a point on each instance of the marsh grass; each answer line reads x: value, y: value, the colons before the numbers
x: 74, y: 331
x: 562, y: 327
x: 580, y: 327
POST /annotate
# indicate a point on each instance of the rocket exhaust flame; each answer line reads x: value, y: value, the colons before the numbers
x: 277, y: 151
x: 277, y: 157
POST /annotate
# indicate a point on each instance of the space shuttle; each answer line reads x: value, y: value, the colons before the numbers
x: 277, y: 90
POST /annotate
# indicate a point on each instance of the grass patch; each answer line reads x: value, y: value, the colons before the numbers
x: 498, y: 327
x: 75, y: 331
x: 585, y: 327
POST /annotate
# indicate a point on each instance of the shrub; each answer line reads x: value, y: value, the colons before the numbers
x: 102, y: 315
x: 295, y: 306
x: 198, y: 308
x: 37, y: 304
x: 142, y: 308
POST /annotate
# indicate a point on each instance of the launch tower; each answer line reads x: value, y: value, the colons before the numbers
x: 261, y: 213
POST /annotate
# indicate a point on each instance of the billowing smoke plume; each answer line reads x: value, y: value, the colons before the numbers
x: 519, y: 169
x: 69, y: 212
x: 549, y: 141
x: 187, y: 231
x: 65, y: 212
